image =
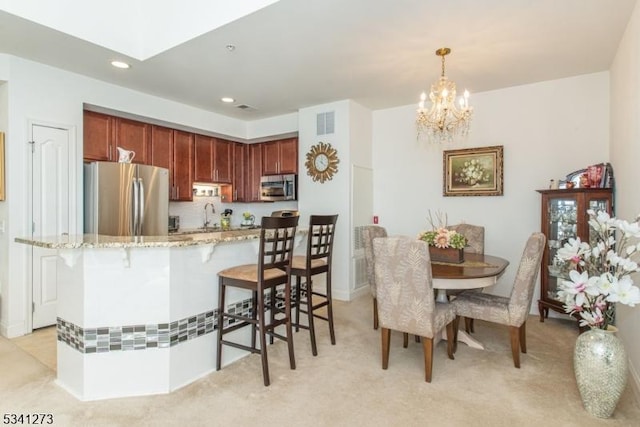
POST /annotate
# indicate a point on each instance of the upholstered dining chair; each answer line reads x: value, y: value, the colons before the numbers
x: 406, y: 300
x: 475, y: 245
x: 277, y: 238
x: 513, y: 310
x: 316, y: 261
x: 369, y: 233
x: 474, y: 235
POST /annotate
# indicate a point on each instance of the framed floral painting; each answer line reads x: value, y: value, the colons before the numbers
x: 473, y: 171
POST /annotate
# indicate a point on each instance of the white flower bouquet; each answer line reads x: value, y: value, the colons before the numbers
x: 600, y: 272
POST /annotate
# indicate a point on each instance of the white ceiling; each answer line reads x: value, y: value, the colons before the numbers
x: 298, y: 53
x: 137, y: 29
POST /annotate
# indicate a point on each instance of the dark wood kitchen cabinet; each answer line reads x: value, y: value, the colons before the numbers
x: 240, y: 154
x: 280, y: 157
x: 191, y: 157
x: 183, y: 147
x: 223, y: 164
x: 104, y: 133
x: 564, y: 216
x: 162, y: 147
x: 213, y: 160
x: 133, y: 136
x: 173, y: 150
x: 98, y: 137
x: 247, y: 173
x: 254, y: 172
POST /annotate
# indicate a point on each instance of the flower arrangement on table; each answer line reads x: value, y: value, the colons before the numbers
x: 600, y: 272
x: 443, y: 238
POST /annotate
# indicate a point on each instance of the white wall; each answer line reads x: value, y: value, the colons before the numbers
x: 38, y: 92
x: 4, y: 208
x: 625, y: 153
x: 331, y: 197
x: 258, y: 130
x: 547, y: 129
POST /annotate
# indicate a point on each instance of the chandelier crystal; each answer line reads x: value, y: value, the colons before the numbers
x: 443, y: 121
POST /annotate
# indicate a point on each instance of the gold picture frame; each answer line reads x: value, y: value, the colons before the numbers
x: 1, y: 166
x: 473, y: 171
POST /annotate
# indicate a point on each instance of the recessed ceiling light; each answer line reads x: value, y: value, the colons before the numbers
x: 120, y: 64
x: 227, y: 99
x: 231, y: 47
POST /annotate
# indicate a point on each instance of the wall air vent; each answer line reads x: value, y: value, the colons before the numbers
x: 359, y: 264
x: 326, y: 123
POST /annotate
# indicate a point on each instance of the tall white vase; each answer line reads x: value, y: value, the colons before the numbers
x: 600, y: 366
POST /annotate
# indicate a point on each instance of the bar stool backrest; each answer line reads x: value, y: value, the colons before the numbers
x: 277, y: 238
x: 320, y: 238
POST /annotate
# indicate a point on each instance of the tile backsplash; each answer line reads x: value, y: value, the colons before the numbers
x: 192, y: 213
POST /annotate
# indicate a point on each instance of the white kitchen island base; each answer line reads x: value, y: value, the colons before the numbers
x: 140, y: 318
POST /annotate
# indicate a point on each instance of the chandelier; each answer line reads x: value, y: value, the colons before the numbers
x: 443, y: 121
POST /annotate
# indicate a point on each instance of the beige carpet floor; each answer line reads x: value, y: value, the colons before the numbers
x: 343, y: 386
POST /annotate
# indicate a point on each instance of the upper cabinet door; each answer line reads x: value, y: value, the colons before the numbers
x: 162, y: 147
x: 182, y: 165
x: 133, y: 136
x: 203, y: 160
x: 289, y: 156
x: 98, y: 137
x: 240, y: 161
x: 213, y: 160
x: 279, y: 157
x: 270, y: 158
x: 254, y: 172
x: 223, y: 161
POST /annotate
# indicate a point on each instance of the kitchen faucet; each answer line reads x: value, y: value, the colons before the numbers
x: 206, y: 216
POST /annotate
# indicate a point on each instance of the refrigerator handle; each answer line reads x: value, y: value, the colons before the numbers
x: 140, y: 206
x: 136, y: 207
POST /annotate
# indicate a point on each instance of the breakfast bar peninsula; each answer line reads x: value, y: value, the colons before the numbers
x: 136, y: 314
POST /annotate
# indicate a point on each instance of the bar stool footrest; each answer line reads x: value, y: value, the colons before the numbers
x: 241, y: 346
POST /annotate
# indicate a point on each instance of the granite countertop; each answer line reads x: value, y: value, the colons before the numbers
x: 180, y: 239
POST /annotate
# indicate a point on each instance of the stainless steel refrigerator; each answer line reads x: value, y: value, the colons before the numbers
x: 126, y: 199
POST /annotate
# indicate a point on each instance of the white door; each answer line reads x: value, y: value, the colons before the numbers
x: 50, y: 215
x: 362, y: 215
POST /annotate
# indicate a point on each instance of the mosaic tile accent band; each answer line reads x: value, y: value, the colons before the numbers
x: 142, y: 337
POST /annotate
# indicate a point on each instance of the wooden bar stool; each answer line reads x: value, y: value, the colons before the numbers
x: 316, y: 261
x: 273, y: 269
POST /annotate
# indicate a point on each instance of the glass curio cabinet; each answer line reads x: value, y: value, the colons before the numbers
x: 564, y: 216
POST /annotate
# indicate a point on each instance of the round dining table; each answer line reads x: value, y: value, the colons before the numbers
x: 477, y: 271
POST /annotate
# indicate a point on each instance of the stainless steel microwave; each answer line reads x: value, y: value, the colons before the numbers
x: 274, y: 188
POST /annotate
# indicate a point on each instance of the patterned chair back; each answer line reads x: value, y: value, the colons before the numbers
x: 404, y: 285
x: 369, y: 233
x: 525, y: 281
x: 474, y: 235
